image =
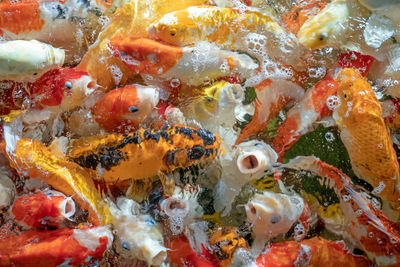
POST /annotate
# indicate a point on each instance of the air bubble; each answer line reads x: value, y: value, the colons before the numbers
x: 329, y: 136
x: 333, y: 102
x: 175, y: 82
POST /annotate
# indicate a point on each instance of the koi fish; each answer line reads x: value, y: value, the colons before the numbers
x: 223, y: 26
x: 125, y: 108
x: 25, y: 60
x: 132, y: 19
x: 32, y: 158
x: 367, y: 225
x: 300, y: 118
x: 54, y: 248
x: 272, y: 96
x: 190, y: 65
x: 367, y: 139
x: 316, y: 251
x: 240, y: 165
x: 63, y: 88
x: 225, y: 241
x: 272, y: 214
x: 42, y: 209
x: 144, y: 153
x: 181, y: 253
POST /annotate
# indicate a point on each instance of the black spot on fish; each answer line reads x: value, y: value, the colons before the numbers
x: 185, y: 131
x: 61, y: 12
x: 207, y: 136
x: 196, y: 153
x: 147, y: 135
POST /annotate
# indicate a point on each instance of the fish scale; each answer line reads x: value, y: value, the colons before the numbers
x: 366, y: 137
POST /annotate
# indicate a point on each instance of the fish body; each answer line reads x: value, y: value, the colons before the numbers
x: 181, y: 253
x: 366, y: 224
x: 27, y: 60
x: 272, y: 96
x: 125, y: 108
x: 34, y: 159
x: 223, y: 26
x: 41, y: 209
x: 54, y: 248
x: 315, y: 251
x: 367, y: 138
x: 144, y: 153
x: 190, y: 65
x: 300, y: 118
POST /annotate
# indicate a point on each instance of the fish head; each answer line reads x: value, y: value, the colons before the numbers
x: 145, y: 56
x: 355, y: 95
x: 253, y: 157
x: 176, y: 28
x: 127, y: 105
x: 272, y: 213
x: 64, y: 86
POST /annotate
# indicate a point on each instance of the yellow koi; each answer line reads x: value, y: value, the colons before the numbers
x: 366, y: 137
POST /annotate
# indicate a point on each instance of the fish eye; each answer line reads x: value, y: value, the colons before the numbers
x: 345, y: 95
x: 68, y: 85
x: 322, y: 36
x: 172, y: 32
x: 133, y: 109
x: 275, y: 219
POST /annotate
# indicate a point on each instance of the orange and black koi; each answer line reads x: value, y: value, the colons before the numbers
x: 145, y: 153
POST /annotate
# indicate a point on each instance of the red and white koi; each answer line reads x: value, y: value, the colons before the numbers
x: 54, y: 248
x: 42, y: 209
x: 367, y: 226
x: 272, y: 96
x: 300, y: 118
x: 123, y: 109
x: 58, y: 90
x: 192, y: 65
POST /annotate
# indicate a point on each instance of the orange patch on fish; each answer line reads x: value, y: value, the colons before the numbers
x: 299, y: 14
x: 20, y: 16
x: 148, y: 56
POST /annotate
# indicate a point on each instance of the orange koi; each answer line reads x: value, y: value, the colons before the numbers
x: 144, y: 153
x: 54, y: 248
x: 300, y: 118
x: 132, y: 19
x: 146, y: 56
x: 300, y: 13
x: 367, y: 139
x: 123, y: 109
x: 316, y: 251
x: 181, y: 254
x: 224, y: 26
x: 371, y: 229
x: 64, y: 87
x: 32, y: 158
x: 42, y: 209
x: 272, y: 96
